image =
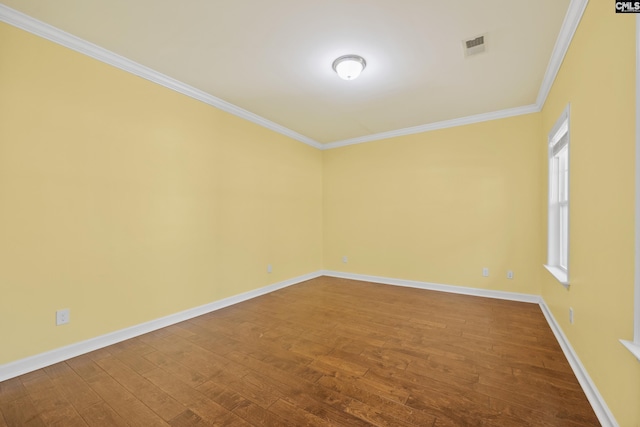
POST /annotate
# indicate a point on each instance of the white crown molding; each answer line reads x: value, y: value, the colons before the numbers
x: 486, y: 293
x: 46, y: 31
x: 27, y: 23
x: 598, y: 404
x: 29, y: 364
x: 569, y: 26
x: 478, y: 118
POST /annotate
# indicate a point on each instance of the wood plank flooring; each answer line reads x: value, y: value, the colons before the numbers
x: 325, y: 352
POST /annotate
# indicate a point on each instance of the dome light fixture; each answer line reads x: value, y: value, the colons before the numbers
x: 349, y: 67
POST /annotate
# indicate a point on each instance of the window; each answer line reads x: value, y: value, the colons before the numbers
x: 558, y: 239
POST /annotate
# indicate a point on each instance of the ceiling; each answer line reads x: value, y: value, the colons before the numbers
x: 273, y: 58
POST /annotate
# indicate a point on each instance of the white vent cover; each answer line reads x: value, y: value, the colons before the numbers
x: 473, y: 46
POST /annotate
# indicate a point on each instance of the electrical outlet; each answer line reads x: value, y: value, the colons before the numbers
x: 345, y: 259
x: 269, y: 268
x: 571, y: 315
x: 509, y: 274
x: 62, y: 317
x: 485, y: 272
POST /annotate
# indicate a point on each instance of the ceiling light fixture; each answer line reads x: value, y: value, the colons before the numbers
x: 349, y: 67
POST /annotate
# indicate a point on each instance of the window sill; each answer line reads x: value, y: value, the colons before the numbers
x: 559, y: 274
x: 632, y: 347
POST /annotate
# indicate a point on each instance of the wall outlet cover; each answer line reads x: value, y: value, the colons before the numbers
x: 62, y: 316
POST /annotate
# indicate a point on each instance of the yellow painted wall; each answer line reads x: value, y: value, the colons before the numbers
x: 125, y: 201
x: 439, y: 206
x: 598, y: 79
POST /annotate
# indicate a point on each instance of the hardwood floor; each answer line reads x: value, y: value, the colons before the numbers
x: 325, y: 352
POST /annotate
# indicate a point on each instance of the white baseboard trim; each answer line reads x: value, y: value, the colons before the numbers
x: 598, y: 404
x: 29, y: 364
x: 33, y: 363
x: 511, y: 296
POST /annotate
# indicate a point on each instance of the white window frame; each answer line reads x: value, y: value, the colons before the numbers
x: 634, y: 346
x: 558, y: 200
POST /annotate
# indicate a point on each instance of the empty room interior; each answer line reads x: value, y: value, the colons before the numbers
x: 203, y: 223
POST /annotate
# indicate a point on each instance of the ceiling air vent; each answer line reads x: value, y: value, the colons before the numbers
x: 473, y: 46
